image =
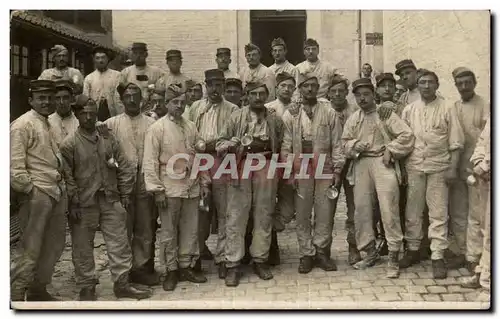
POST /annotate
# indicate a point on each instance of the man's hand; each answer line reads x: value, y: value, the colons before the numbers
x: 161, y: 200
x: 125, y: 201
x: 387, y: 158
x: 384, y: 111
x: 478, y: 171
x: 450, y: 175
x: 337, y: 180
x: 222, y: 150
x: 102, y: 128
x: 74, y: 214
x: 361, y: 146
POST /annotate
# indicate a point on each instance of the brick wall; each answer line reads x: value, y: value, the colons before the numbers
x: 440, y: 41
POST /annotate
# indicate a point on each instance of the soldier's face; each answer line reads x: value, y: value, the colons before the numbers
x: 386, y: 90
x: 253, y: 58
x: 174, y: 64
x: 466, y: 86
x: 409, y: 76
x: 279, y: 53
x: 195, y: 93
x: 309, y: 89
x: 311, y: 53
x: 132, y: 99
x: 61, y: 59
x: 427, y: 86
x: 258, y: 97
x: 285, y: 89
x: 215, y: 89
x: 233, y: 94
x: 43, y: 102
x: 338, y: 94
x: 223, y: 61
x: 365, y: 97
x: 138, y: 57
x: 101, y: 60
x: 158, y: 102
x: 176, y: 106
x: 367, y: 70
x: 87, y: 117
x: 63, y: 100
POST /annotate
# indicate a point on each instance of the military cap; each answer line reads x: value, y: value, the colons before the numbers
x: 160, y: 90
x: 58, y: 48
x: 223, y: 51
x: 251, y: 47
x: 174, y: 53
x: 311, y: 43
x: 123, y: 86
x: 363, y: 82
x: 42, y: 85
x: 283, y: 76
x: 407, y: 63
x: 214, y: 74
x: 191, y: 83
x: 82, y: 101
x: 250, y: 86
x: 104, y: 50
x: 303, y: 77
x: 461, y: 71
x: 235, y: 82
x: 139, y: 46
x: 173, y: 91
x: 422, y: 72
x: 64, y: 84
x: 277, y: 42
x: 384, y: 76
x: 337, y: 79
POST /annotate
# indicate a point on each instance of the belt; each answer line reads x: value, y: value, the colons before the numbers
x: 369, y: 155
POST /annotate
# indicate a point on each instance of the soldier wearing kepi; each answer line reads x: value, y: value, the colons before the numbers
x: 467, y: 203
x: 386, y: 88
x: 176, y: 196
x: 63, y: 121
x: 313, y: 128
x: 210, y: 115
x: 100, y: 181
x: 234, y: 91
x: 61, y: 69
x: 281, y: 64
x: 255, y: 193
x: 174, y: 74
x: 223, y: 60
x: 36, y: 171
x: 431, y: 167
x: 373, y: 145
x: 130, y: 130
x: 407, y: 71
x: 257, y: 72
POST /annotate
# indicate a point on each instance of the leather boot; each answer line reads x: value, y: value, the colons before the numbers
x: 189, y: 274
x: 39, y: 293
x: 143, y: 277
x: 274, y: 250
x: 87, y: 294
x: 471, y: 282
x: 370, y: 259
x: 321, y: 260
x: 455, y: 261
x: 222, y: 270
x: 439, y: 269
x: 306, y: 264
x: 411, y: 257
x: 170, y: 281
x: 233, y: 277
x: 354, y: 255
x: 262, y: 270
x: 123, y: 289
x: 393, y: 265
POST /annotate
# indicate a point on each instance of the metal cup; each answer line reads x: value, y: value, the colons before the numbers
x: 332, y: 192
x: 202, y: 205
x: 200, y: 146
x: 246, y: 140
x: 471, y: 180
x: 112, y: 163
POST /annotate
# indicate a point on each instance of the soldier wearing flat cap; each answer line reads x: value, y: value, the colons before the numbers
x: 254, y: 194
x: 467, y: 202
x: 407, y: 71
x: 281, y: 64
x: 324, y: 71
x: 386, y: 88
x: 223, y: 60
x: 174, y: 74
x: 36, y: 175
x: 63, y: 121
x: 257, y: 72
x: 234, y: 91
x: 141, y: 73
x: 365, y: 146
x: 101, y: 85
x: 61, y: 69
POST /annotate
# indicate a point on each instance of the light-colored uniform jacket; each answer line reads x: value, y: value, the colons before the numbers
x: 102, y: 85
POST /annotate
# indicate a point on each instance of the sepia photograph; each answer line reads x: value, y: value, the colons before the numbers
x: 250, y: 159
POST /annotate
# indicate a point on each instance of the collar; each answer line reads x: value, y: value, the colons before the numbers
x: 92, y: 137
x: 174, y: 120
x: 39, y: 116
x: 369, y: 111
x: 341, y: 107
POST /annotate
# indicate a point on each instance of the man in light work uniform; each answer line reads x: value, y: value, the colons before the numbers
x: 194, y: 92
x: 467, y: 203
x: 36, y: 171
x: 63, y: 121
x: 258, y: 72
x: 61, y: 69
x: 174, y: 74
x: 313, y: 128
x: 386, y: 88
x: 337, y: 94
x: 129, y: 130
x: 157, y: 108
x: 255, y: 193
x: 176, y: 196
x: 407, y: 71
x: 281, y: 64
x: 101, y: 85
x: 431, y: 167
x: 100, y: 181
x: 374, y: 145
x: 234, y: 91
x: 223, y: 60
x: 324, y: 71
x: 141, y: 73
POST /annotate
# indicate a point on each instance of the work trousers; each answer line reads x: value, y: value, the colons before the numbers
x: 141, y: 227
x: 485, y: 262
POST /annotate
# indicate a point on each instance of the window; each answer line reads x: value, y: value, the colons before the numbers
x: 14, y: 60
x: 19, y: 57
x: 25, y: 57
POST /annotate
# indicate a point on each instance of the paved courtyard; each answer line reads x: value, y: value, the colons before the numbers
x: 345, y: 288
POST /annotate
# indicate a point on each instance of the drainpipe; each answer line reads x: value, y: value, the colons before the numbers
x: 237, y: 44
x: 358, y: 45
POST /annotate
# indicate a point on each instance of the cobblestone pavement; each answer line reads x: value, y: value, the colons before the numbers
x: 345, y: 288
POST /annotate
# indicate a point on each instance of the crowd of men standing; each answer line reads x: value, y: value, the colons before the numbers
x: 92, y: 152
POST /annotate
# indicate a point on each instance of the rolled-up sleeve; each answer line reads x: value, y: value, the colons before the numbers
x: 456, y: 138
x: 151, y: 159
x: 404, y: 142
x: 20, y: 179
x: 480, y: 155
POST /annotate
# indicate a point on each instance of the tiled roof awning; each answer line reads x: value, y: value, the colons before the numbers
x: 45, y: 22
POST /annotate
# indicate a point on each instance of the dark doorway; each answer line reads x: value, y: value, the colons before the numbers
x: 290, y: 25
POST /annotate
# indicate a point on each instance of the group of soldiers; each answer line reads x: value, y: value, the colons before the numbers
x: 93, y: 152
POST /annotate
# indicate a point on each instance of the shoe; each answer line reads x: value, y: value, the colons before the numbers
x: 456, y: 262
x: 393, y: 265
x: 354, y: 255
x: 88, y: 294
x: 233, y: 277
x: 471, y: 267
x: 206, y: 254
x: 306, y: 264
x: 370, y: 259
x: 145, y: 278
x: 189, y: 274
x: 471, y: 282
x: 123, y: 289
x: 39, y: 294
x: 262, y: 270
x: 425, y: 252
x: 197, y: 266
x: 439, y: 269
x: 324, y: 262
x: 222, y: 270
x: 171, y: 280
x: 411, y: 257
